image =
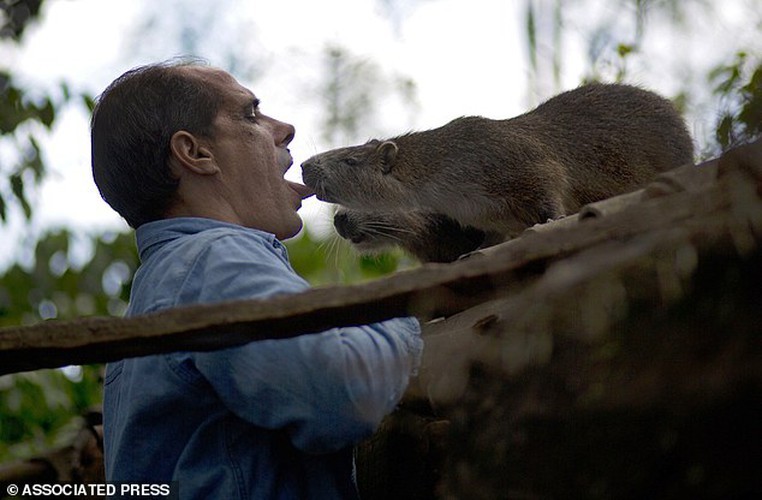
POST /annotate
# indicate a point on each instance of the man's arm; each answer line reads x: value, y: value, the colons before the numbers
x: 327, y: 390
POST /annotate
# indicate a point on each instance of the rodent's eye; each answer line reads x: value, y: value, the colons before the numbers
x: 351, y: 162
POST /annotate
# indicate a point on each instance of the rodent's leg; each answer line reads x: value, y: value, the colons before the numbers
x: 551, y: 210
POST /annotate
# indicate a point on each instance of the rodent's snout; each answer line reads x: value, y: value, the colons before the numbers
x: 314, y: 176
x: 346, y: 227
x: 310, y: 173
x: 341, y: 223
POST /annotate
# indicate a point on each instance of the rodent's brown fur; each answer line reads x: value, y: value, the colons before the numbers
x: 502, y: 176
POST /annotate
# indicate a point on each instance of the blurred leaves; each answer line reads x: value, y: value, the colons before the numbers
x: 55, y: 286
x: 69, y: 277
x: 739, y: 86
x: 42, y: 410
x: 544, y: 28
x: 331, y: 260
x: 20, y: 120
x: 15, y: 15
x: 25, y: 114
x: 17, y: 109
x: 352, y: 92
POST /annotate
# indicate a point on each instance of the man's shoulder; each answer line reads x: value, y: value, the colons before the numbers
x: 203, y: 261
x: 196, y: 234
x: 239, y: 245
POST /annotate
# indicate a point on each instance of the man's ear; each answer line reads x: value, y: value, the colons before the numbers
x: 190, y: 153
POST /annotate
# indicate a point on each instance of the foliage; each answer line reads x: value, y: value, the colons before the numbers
x: 25, y: 114
x: 39, y: 409
x: 331, y: 261
x: 537, y: 30
x: 739, y: 85
x: 55, y: 287
x: 15, y: 15
x: 42, y: 410
x: 352, y: 93
x: 17, y: 108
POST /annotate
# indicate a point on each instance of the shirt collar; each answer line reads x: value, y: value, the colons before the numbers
x: 153, y: 235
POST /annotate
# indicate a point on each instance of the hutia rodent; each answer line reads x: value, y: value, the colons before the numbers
x: 502, y: 176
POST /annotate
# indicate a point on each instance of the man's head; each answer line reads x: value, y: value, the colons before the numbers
x: 185, y: 139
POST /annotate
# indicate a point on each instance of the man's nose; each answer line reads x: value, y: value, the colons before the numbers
x: 284, y: 133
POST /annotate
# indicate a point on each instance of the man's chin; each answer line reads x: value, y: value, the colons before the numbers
x: 292, y: 229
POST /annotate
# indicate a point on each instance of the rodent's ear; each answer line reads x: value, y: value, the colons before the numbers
x: 388, y: 152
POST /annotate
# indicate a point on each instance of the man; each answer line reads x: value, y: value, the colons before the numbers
x: 182, y: 151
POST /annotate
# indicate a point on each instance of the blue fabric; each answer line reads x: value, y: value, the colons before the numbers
x: 270, y: 419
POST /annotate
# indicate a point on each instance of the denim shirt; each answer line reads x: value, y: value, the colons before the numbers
x: 269, y: 419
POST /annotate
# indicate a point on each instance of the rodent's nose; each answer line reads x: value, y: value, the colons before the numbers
x: 348, y: 228
x: 342, y: 224
x: 310, y: 173
x: 315, y: 176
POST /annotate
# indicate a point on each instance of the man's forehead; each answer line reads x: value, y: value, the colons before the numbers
x: 221, y: 79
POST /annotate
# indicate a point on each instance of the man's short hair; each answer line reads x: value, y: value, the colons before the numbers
x: 131, y: 127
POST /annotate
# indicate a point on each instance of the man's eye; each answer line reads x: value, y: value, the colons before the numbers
x: 253, y: 114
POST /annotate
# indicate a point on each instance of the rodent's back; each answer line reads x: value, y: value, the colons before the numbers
x: 611, y: 138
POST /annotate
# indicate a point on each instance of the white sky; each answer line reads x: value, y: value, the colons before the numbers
x: 85, y: 42
x: 466, y: 57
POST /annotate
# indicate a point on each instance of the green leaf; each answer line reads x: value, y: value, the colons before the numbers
x: 724, y: 131
x: 531, y: 30
x: 89, y: 102
x: 47, y: 113
x: 624, y: 49
x: 17, y: 187
x: 34, y: 159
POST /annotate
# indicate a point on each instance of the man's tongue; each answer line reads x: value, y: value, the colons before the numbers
x: 301, y: 189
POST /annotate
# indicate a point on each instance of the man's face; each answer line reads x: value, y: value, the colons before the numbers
x: 251, y: 151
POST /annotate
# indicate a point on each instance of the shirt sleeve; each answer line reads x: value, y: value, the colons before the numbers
x: 326, y: 390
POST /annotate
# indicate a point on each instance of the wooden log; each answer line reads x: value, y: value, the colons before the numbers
x: 650, y: 395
